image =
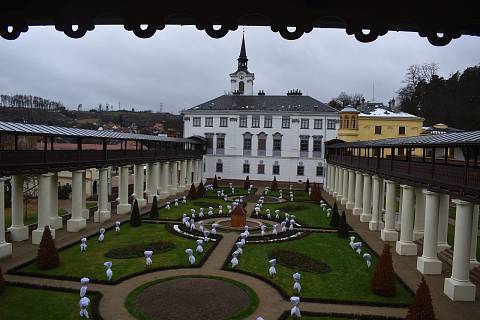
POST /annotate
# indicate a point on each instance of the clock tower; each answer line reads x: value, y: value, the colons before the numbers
x: 242, y: 80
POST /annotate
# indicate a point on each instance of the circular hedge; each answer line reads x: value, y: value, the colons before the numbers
x: 299, y: 261
x: 136, y: 250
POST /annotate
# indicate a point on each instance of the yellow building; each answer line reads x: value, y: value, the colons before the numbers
x: 378, y: 123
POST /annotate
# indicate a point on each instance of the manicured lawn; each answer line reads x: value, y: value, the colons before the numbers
x: 176, y: 213
x: 308, y: 214
x: 26, y: 304
x: 228, y: 192
x: 349, y: 279
x: 74, y: 263
x: 298, y: 195
x: 30, y: 218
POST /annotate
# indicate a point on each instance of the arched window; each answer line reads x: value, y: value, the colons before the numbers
x: 241, y: 86
x: 346, y: 122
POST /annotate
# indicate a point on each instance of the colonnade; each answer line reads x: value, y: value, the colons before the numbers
x: 422, y: 213
x: 162, y: 180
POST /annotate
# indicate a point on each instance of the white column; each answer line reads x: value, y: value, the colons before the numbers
x: 326, y: 182
x: 56, y: 222
x: 44, y: 207
x: 458, y: 287
x: 5, y: 247
x: 340, y: 185
x: 405, y: 245
x: 85, y: 211
x: 154, y: 181
x: 374, y: 222
x: 419, y: 214
x: 473, y: 248
x: 123, y: 207
x: 183, y: 175
x: 357, y: 208
x: 366, y: 215
x: 138, y: 185
x: 164, y: 189
x: 77, y: 222
x: 444, y: 207
x: 389, y: 233
x: 191, y: 170
x: 174, y: 176
x: 148, y: 180
x: 344, y: 187
x: 428, y: 263
x: 18, y: 231
x: 351, y: 190
x: 103, y: 213
x: 335, y: 182
x: 398, y: 215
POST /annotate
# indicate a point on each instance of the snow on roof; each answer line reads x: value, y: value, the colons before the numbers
x: 380, y: 112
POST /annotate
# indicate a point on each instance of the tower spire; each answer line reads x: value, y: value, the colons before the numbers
x: 242, y: 59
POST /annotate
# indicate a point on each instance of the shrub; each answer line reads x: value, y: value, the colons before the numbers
x: 383, y: 282
x: 298, y: 261
x: 335, y: 220
x: 274, y: 185
x: 200, y: 190
x: 192, y: 193
x: 215, y: 182
x: 2, y: 281
x: 154, y: 209
x: 307, y: 185
x: 136, y: 250
x: 47, y: 254
x: 246, y: 184
x: 421, y: 307
x: 135, y: 220
x: 342, y: 231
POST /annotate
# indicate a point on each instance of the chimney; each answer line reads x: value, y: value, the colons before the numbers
x: 261, y: 93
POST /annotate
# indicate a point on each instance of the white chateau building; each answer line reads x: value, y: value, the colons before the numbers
x: 262, y: 136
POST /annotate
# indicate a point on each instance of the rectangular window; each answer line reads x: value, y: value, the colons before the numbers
x: 331, y: 124
x: 317, y: 123
x: 246, y: 168
x: 247, y: 143
x: 262, y: 144
x: 209, y: 138
x: 276, y: 169
x: 255, y: 121
x: 378, y: 129
x: 223, y: 122
x: 304, y: 123
x: 319, y: 171
x: 267, y: 122
x: 304, y: 144
x: 300, y: 170
x: 208, y: 122
x: 219, y: 167
x: 317, y: 145
x: 401, y: 130
x: 401, y: 151
x: 243, y: 121
x: 261, y: 168
x: 285, y: 122
x: 197, y: 121
x: 277, y: 144
x: 220, y: 142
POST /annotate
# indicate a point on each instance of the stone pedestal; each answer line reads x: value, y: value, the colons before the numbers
x: 429, y: 265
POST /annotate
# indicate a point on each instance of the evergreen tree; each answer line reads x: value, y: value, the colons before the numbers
x: 135, y: 219
x: 246, y: 184
x: 335, y: 220
x: 47, y: 254
x: 200, y: 190
x: 421, y: 307
x: 342, y: 231
x: 192, y: 193
x: 2, y: 281
x: 154, y: 209
x: 383, y: 282
x: 215, y: 182
x: 274, y: 186
x: 307, y: 185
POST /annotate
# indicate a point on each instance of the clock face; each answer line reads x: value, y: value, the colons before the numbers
x: 241, y: 75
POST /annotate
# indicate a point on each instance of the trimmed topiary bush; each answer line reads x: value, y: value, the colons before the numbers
x: 335, y: 220
x: 307, y: 185
x: 192, y: 193
x: 136, y: 250
x: 383, y: 282
x: 421, y: 307
x: 154, y: 209
x: 215, y: 182
x: 298, y: 261
x: 246, y: 184
x: 274, y: 185
x: 135, y: 220
x: 2, y: 281
x: 342, y: 231
x: 200, y: 190
x: 47, y: 254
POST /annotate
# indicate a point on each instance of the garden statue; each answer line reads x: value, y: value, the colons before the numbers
x: 184, y: 218
x: 260, y: 318
x: 291, y: 225
x: 210, y: 211
x: 83, y: 245
x: 109, y: 272
x: 205, y: 235
x: 192, y: 224
x: 246, y: 232
x: 272, y: 271
x: 101, y: 237
x: 176, y: 202
x: 262, y: 230
x: 192, y: 211
x: 284, y: 228
x: 83, y: 303
x: 83, y: 289
x: 368, y: 259
x: 200, y: 226
x: 187, y: 222
x: 295, y: 311
x: 357, y: 246
x: 199, y: 246
x: 148, y: 257
x: 257, y: 210
x: 201, y: 215
x: 234, y: 260
x: 229, y: 207
x: 269, y: 216
x: 191, y: 258
x: 214, y: 228
x: 274, y: 231
x: 352, y: 239
x: 220, y: 210
x: 167, y: 205
x: 225, y: 198
x: 296, y: 279
x: 239, y: 247
x: 184, y: 199
x: 117, y: 226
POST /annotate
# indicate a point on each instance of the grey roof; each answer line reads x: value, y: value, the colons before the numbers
x: 43, y: 130
x: 349, y: 109
x: 436, y: 140
x: 292, y: 103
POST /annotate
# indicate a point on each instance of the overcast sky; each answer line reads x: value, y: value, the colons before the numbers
x: 183, y: 67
